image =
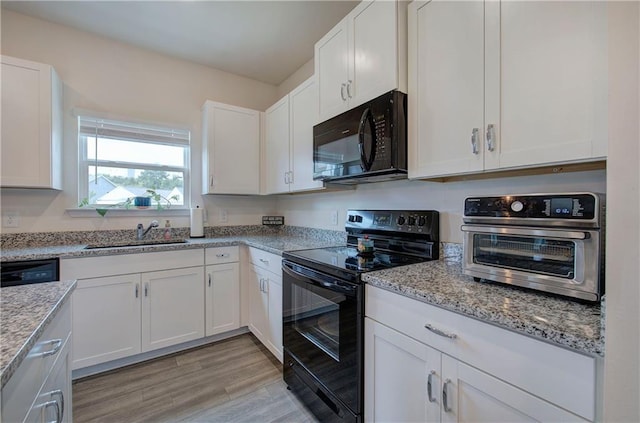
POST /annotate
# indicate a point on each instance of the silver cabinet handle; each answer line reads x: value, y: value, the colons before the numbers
x: 137, y: 290
x: 286, y: 178
x: 474, y: 140
x: 445, y: 399
x: 56, y: 405
x: 290, y: 177
x: 349, y: 82
x: 222, y: 255
x: 146, y: 289
x: 440, y: 332
x: 211, y: 181
x: 342, y: 87
x: 61, y: 408
x: 264, y: 261
x: 491, y: 137
x: 209, y: 280
x: 57, y: 344
x: 261, y: 282
x: 429, y: 385
x: 266, y: 286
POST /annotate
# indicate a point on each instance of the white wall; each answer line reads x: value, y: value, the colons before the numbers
x: 315, y: 209
x: 298, y: 77
x: 103, y: 75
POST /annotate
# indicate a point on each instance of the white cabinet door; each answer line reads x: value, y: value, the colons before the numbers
x: 402, y: 377
x: 258, y: 304
x: 276, y: 148
x: 491, y: 88
x: 31, y: 125
x: 172, y: 307
x: 274, y: 291
x: 548, y: 89
x: 332, y: 70
x: 474, y: 396
x: 374, y: 50
x: 303, y: 105
x: 106, y: 319
x: 222, y: 309
x: 231, y: 149
x: 446, y: 87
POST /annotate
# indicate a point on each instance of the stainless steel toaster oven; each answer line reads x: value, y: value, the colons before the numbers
x: 548, y: 242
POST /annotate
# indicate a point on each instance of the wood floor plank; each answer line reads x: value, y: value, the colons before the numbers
x: 234, y: 380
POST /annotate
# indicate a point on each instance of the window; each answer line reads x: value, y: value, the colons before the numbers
x: 121, y: 160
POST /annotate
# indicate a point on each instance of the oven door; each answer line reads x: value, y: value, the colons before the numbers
x: 323, y: 329
x: 565, y: 262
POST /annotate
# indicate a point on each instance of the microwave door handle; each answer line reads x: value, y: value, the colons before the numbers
x: 367, y: 118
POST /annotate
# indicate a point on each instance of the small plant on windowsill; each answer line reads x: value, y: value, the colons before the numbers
x: 162, y: 202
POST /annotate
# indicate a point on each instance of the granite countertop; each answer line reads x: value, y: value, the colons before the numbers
x: 25, y: 312
x: 566, y: 323
x: 275, y: 244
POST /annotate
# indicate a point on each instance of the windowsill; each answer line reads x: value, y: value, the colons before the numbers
x: 151, y: 211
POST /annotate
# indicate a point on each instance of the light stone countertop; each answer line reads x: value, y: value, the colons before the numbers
x: 275, y: 244
x: 570, y: 324
x: 25, y: 312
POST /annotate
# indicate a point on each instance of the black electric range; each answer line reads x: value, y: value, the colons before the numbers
x: 323, y: 306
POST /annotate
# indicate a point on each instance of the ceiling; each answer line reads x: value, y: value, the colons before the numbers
x: 262, y: 40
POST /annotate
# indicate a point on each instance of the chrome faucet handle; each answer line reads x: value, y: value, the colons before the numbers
x: 154, y: 224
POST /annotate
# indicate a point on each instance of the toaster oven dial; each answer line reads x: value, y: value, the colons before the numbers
x: 517, y: 206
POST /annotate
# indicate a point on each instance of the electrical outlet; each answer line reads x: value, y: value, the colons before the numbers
x: 11, y: 219
x: 334, y: 217
x: 223, y: 216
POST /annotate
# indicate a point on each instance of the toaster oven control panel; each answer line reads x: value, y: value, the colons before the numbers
x: 537, y: 206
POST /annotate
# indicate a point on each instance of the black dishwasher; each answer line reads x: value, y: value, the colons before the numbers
x: 15, y: 273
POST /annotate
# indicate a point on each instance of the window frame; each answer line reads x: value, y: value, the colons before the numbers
x: 85, y: 163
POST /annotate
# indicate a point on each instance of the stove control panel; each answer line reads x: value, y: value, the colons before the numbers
x: 406, y: 221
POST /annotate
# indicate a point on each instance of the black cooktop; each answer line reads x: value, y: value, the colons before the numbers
x: 348, y: 259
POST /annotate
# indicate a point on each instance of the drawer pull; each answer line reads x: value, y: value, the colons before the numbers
x: 429, y: 386
x: 61, y: 408
x: 445, y: 400
x: 222, y: 255
x: 209, y: 280
x: 57, y: 344
x: 264, y: 261
x: 57, y: 406
x: 440, y: 332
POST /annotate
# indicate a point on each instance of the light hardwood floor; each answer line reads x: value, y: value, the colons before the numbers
x: 235, y: 380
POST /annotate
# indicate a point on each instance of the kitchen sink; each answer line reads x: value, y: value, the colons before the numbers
x: 135, y: 243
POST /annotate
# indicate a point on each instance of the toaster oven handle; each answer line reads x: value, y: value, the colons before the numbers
x: 501, y: 230
x: 367, y: 117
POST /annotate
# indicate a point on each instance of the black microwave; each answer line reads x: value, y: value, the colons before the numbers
x: 365, y: 144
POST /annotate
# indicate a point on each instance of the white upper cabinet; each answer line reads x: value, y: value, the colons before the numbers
x: 362, y: 57
x: 31, y: 125
x: 288, y: 141
x: 499, y: 85
x: 231, y: 149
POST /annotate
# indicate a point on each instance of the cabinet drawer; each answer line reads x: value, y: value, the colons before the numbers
x: 560, y: 376
x: 266, y: 261
x: 21, y: 390
x: 221, y: 255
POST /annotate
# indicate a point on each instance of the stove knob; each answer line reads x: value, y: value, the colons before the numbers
x: 358, y: 218
x: 400, y: 220
x: 517, y: 206
x: 352, y: 218
x: 421, y: 221
x: 412, y: 221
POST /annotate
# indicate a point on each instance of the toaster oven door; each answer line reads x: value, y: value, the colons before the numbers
x: 564, y: 262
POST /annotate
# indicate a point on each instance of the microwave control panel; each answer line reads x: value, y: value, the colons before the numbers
x: 537, y: 206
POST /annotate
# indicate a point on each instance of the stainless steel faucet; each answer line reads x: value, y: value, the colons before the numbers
x: 142, y: 232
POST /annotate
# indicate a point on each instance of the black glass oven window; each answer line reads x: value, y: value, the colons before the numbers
x: 529, y: 254
x: 317, y: 318
x: 338, y: 157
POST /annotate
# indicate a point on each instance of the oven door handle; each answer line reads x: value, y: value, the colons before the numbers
x: 335, y: 287
x: 527, y: 232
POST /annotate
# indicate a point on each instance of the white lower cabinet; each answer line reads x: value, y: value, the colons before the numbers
x: 222, y: 290
x: 264, y: 283
x: 156, y: 301
x: 40, y: 388
x: 172, y: 307
x: 413, y: 374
